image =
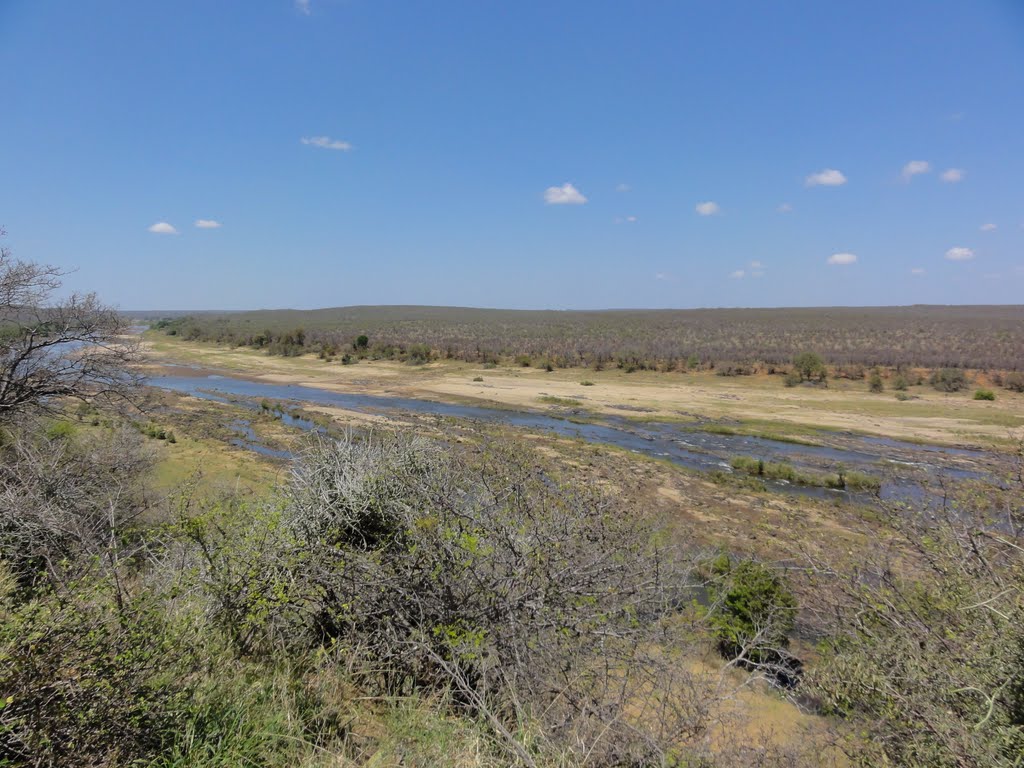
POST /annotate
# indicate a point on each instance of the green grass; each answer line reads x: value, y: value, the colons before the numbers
x: 852, y: 481
x: 568, y: 401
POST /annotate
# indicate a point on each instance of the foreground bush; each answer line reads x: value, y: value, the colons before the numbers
x: 529, y: 600
x: 929, y: 663
x: 89, y: 679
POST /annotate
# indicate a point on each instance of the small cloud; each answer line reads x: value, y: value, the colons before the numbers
x: 917, y: 271
x: 739, y: 274
x: 756, y: 265
x: 708, y: 209
x: 915, y: 168
x: 953, y: 175
x: 959, y: 254
x: 207, y: 224
x: 784, y: 208
x: 326, y: 142
x: 566, y: 194
x: 829, y: 177
x: 842, y: 259
x: 623, y: 188
x: 631, y: 219
x: 163, y: 228
x: 302, y: 6
x: 988, y: 227
x: 665, y: 276
x: 956, y: 117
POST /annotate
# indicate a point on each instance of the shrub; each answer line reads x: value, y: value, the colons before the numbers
x: 948, y: 380
x: 903, y: 396
x: 586, y: 383
x: 418, y: 354
x: 899, y: 382
x: 747, y: 464
x: 1014, y: 382
x: 753, y: 614
x: 60, y: 430
x: 875, y: 382
x: 362, y: 342
x: 478, y: 378
x: 984, y: 394
x: 926, y: 661
x: 791, y: 379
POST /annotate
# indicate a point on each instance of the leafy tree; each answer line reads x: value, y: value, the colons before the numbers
x: 362, y: 342
x: 810, y: 366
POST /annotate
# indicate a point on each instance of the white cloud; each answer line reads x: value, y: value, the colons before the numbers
x: 756, y: 265
x: 163, y: 228
x: 207, y: 224
x: 326, y: 142
x: 915, y: 168
x: 623, y: 188
x: 739, y: 274
x: 784, y: 208
x: 302, y: 6
x: 988, y: 227
x: 631, y: 219
x: 842, y: 259
x: 666, y: 276
x: 917, y: 271
x: 959, y: 254
x: 566, y: 194
x: 829, y: 177
x: 708, y: 209
x: 625, y: 219
x: 953, y: 175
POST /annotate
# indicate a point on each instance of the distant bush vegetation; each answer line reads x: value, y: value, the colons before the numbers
x: 730, y: 341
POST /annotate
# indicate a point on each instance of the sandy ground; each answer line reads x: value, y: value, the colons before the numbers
x: 757, y: 402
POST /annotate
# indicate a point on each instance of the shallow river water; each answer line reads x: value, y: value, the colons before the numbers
x: 908, y: 471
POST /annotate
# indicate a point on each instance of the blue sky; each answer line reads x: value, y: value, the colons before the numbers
x: 566, y: 155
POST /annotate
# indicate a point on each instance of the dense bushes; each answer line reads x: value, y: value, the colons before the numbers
x: 91, y: 678
x: 487, y: 579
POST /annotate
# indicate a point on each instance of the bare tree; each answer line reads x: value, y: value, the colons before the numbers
x: 52, y: 349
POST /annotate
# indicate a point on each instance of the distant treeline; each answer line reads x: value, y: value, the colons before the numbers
x: 730, y: 340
